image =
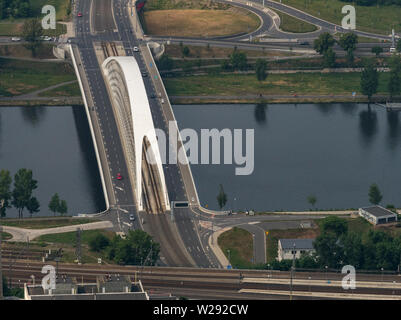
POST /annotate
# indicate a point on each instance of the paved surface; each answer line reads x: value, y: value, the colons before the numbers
x: 23, y: 235
x: 179, y: 239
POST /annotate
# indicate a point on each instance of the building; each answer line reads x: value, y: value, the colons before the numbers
x: 110, y: 287
x: 288, y: 247
x: 377, y: 215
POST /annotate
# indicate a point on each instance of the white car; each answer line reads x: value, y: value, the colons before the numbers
x: 15, y: 39
x: 136, y: 49
x: 131, y: 217
x: 393, y: 49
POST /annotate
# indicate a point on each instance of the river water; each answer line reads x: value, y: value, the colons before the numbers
x: 332, y: 151
x: 55, y: 143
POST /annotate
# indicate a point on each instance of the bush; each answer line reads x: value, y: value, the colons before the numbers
x: 99, y: 242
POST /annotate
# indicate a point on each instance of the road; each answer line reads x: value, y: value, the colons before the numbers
x: 180, y: 243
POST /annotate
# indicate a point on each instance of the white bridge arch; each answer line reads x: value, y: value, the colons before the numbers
x: 135, y: 123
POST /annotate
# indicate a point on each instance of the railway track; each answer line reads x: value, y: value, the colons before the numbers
x: 184, y: 279
x: 109, y: 49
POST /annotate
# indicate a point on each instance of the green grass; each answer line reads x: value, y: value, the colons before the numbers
x: 20, y: 77
x: 291, y: 24
x: 275, y: 84
x: 183, y: 4
x: 9, y: 28
x: 240, y: 244
x: 68, y: 90
x: 372, y: 19
x: 5, y: 236
x: 69, y: 238
x: 40, y: 223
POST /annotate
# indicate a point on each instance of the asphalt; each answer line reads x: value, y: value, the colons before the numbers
x: 182, y: 248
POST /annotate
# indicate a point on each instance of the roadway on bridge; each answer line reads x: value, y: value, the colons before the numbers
x: 168, y: 234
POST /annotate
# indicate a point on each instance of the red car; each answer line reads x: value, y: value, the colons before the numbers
x: 79, y: 14
x: 119, y: 176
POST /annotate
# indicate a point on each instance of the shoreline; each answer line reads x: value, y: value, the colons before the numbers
x: 200, y: 100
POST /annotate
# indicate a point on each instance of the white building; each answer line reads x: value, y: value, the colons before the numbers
x: 377, y: 215
x: 288, y: 247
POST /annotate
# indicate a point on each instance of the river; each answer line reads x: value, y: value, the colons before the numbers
x: 55, y: 143
x: 332, y: 151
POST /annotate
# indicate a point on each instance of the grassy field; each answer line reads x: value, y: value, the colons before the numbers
x: 240, y: 244
x: 68, y: 241
x: 5, y: 236
x: 15, y: 28
x: 378, y: 19
x: 43, y: 223
x: 68, y: 90
x: 19, y: 51
x: 19, y: 77
x: 199, y: 23
x: 184, y: 4
x: 70, y: 237
x: 175, y: 51
x: 275, y: 84
x: 291, y: 24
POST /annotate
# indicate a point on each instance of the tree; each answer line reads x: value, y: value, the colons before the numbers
x: 63, y: 209
x: 394, y: 84
x: 324, y: 42
x: 328, y: 250
x: 375, y: 197
x: 98, y: 242
x: 31, y: 32
x: 165, y: 63
x: 138, y: 248
x: 329, y: 58
x: 398, y: 47
x: 312, y: 200
x: 353, y: 250
x: 5, y: 191
x: 54, y: 203
x: 238, y: 60
x: 185, y: 51
x: 377, y: 51
x: 369, y: 81
x: 348, y: 42
x: 24, y: 185
x: 221, y: 198
x: 335, y: 225
x: 261, y: 67
x: 33, y: 206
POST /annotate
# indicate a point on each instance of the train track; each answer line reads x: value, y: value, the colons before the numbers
x: 109, y: 49
x: 213, y: 281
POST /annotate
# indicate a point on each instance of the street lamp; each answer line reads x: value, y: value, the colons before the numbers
x: 326, y: 267
x: 292, y: 270
x: 229, y: 256
x: 382, y: 269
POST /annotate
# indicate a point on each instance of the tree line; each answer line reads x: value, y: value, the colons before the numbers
x: 337, y: 246
x: 137, y: 248
x: 20, y: 194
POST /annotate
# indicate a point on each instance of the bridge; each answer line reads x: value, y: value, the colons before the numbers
x: 123, y: 113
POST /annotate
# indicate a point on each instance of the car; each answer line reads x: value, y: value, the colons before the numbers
x: 131, y: 217
x: 393, y: 49
x: 144, y: 74
x: 152, y: 96
x: 304, y: 43
x: 79, y: 14
x: 136, y: 49
x: 119, y: 176
x: 15, y: 39
x: 162, y: 101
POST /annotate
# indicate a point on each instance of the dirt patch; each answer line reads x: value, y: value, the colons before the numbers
x: 199, y: 23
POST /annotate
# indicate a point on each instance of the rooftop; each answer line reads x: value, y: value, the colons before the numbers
x: 378, y: 211
x: 287, y: 244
